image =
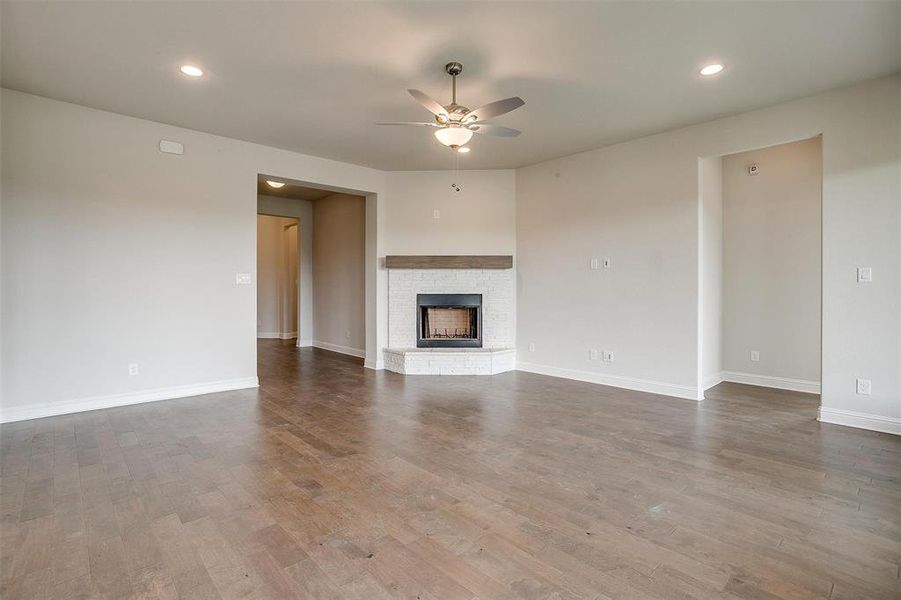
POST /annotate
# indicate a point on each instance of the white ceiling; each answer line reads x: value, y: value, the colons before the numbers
x: 315, y: 77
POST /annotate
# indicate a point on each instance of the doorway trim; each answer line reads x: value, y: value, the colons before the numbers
x: 783, y: 383
x: 374, y: 278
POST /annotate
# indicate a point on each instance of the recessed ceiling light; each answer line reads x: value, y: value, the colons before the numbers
x: 275, y: 184
x: 713, y: 69
x: 463, y: 150
x: 191, y: 71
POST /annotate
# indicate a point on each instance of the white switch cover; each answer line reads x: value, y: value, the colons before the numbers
x: 594, y: 263
x: 532, y: 347
x: 132, y: 368
x: 436, y: 214
x: 864, y: 274
x: 592, y: 354
x: 607, y: 263
x: 242, y: 278
x: 864, y: 387
x: 755, y: 355
x: 607, y: 356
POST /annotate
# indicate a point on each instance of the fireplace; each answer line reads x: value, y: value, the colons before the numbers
x: 448, y: 320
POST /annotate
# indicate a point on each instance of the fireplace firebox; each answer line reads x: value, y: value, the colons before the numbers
x: 448, y: 320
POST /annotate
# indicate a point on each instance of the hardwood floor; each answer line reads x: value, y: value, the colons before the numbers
x: 332, y: 481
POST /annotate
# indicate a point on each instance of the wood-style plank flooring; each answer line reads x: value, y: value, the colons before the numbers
x: 332, y: 481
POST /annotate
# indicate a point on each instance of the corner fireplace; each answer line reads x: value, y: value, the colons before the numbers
x: 449, y: 320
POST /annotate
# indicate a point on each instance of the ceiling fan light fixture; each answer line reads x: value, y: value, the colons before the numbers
x: 453, y: 136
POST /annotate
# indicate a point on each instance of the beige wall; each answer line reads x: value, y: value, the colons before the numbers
x: 638, y: 202
x: 114, y: 253
x: 302, y: 210
x: 711, y: 255
x: 771, y: 258
x: 338, y: 273
x: 277, y: 276
x: 479, y: 219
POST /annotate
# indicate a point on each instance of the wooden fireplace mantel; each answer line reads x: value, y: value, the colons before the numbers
x: 476, y: 261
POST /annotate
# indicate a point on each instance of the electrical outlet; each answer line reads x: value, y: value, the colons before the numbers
x: 242, y: 279
x: 132, y: 368
x: 864, y: 387
x: 755, y: 355
x: 864, y: 274
x: 531, y: 346
x: 607, y: 263
x: 607, y: 356
x: 592, y: 354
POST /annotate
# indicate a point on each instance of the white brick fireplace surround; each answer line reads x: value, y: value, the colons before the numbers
x: 497, y: 353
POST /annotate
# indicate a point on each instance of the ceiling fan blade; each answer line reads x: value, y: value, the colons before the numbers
x: 410, y: 123
x: 494, y: 109
x: 486, y: 129
x: 432, y: 105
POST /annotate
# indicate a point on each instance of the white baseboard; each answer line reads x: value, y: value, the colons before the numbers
x: 374, y: 365
x: 641, y: 385
x: 849, y: 418
x: 304, y: 343
x: 340, y: 349
x: 712, y: 380
x: 113, y: 400
x: 274, y: 335
x: 782, y: 383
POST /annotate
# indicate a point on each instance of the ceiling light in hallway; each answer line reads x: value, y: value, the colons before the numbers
x: 275, y: 184
x: 191, y: 71
x: 710, y: 70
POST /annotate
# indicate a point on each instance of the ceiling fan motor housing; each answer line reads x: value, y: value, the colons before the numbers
x: 453, y: 68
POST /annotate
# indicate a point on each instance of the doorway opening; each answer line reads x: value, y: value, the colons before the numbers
x: 760, y: 265
x: 278, y: 277
x: 322, y: 258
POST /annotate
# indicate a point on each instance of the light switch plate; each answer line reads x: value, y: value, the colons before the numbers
x: 755, y: 355
x: 436, y: 214
x: 242, y: 279
x: 532, y: 347
x: 593, y: 264
x: 607, y: 356
x: 864, y: 387
x: 864, y: 274
x: 592, y: 354
x: 607, y: 263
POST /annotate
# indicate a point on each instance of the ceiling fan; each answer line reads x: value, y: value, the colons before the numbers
x: 455, y: 123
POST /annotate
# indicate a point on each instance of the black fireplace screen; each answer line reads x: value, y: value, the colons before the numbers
x: 449, y: 320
